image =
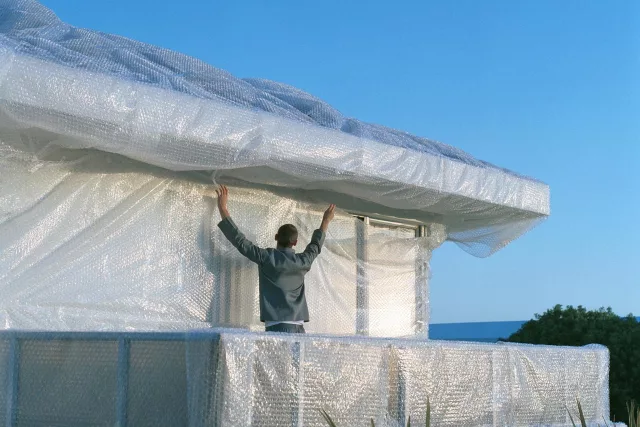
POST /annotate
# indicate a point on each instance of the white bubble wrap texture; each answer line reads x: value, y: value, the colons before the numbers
x: 243, y: 379
x: 96, y: 241
x: 282, y: 381
x: 90, y: 89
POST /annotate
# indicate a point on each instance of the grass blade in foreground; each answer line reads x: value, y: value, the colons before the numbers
x: 328, y: 419
x: 582, y: 420
x: 428, y: 418
x: 571, y: 417
x: 634, y: 414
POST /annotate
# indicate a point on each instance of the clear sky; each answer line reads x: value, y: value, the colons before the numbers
x: 548, y: 88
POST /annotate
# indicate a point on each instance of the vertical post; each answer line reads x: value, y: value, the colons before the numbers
x: 210, y: 253
x: 298, y: 357
x: 122, y: 399
x: 421, y: 287
x: 13, y: 370
x: 495, y: 387
x: 230, y: 265
x: 218, y: 285
x: 219, y: 312
x: 362, y: 285
x: 397, y: 390
x: 567, y: 391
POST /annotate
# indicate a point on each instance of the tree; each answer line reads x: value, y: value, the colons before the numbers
x: 577, y: 327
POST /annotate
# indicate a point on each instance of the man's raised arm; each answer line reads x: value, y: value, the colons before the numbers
x: 231, y: 232
x: 317, y: 240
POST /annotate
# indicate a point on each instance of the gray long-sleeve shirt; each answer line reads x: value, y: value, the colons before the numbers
x: 282, y: 271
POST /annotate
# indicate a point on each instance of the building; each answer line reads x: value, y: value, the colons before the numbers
x: 123, y: 305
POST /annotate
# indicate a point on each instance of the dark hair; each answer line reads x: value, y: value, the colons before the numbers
x: 287, y: 235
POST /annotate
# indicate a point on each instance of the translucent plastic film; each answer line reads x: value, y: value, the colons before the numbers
x: 226, y: 378
x: 88, y: 89
x: 96, y: 241
x: 284, y: 381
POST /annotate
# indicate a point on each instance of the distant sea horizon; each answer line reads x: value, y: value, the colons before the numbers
x: 476, y: 331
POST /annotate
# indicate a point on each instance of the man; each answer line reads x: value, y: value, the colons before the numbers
x: 283, y: 306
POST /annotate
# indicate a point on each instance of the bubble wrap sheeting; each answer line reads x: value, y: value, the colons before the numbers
x: 231, y: 378
x: 269, y: 380
x: 96, y: 241
x: 97, y: 90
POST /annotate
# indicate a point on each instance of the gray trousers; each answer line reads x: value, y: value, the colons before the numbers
x: 286, y: 327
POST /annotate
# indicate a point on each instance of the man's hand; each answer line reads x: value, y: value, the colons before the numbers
x: 223, y: 196
x: 327, y: 218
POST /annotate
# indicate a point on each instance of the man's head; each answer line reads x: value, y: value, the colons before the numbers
x: 287, y: 236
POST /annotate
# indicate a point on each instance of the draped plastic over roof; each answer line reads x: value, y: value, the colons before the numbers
x: 87, y: 89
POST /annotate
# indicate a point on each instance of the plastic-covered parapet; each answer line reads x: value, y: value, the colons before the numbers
x: 78, y: 88
x: 241, y: 379
x: 289, y: 379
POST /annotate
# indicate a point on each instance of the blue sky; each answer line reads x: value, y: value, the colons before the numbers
x: 549, y: 89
